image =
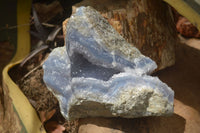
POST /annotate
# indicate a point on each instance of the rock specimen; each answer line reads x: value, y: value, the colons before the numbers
x: 148, y: 25
x: 99, y: 74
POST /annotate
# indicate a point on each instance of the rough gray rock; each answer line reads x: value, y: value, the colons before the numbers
x: 89, y: 34
x: 99, y: 74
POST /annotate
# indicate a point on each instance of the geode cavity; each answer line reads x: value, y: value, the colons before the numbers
x: 99, y: 74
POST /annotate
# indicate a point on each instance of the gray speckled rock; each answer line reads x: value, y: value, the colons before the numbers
x: 89, y: 34
x: 100, y: 74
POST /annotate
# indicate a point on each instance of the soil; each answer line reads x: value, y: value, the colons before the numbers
x: 38, y: 94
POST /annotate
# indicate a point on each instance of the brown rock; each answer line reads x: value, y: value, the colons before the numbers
x: 187, y: 29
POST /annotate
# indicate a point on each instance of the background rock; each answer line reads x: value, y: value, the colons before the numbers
x: 187, y: 29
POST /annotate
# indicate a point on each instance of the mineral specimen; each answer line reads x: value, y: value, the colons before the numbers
x: 99, y: 74
x: 144, y: 24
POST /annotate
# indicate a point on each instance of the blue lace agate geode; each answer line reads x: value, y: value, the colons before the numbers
x: 99, y: 74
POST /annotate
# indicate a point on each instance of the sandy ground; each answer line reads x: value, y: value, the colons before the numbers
x: 184, y: 79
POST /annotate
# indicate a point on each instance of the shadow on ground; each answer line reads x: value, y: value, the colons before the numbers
x: 138, y: 125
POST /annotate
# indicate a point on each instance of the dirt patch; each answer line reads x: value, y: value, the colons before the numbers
x: 34, y: 88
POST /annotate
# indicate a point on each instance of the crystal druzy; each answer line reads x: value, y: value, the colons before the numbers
x: 98, y: 73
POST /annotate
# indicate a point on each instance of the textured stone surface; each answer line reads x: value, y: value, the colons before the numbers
x: 146, y: 24
x: 92, y: 36
x: 100, y: 74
